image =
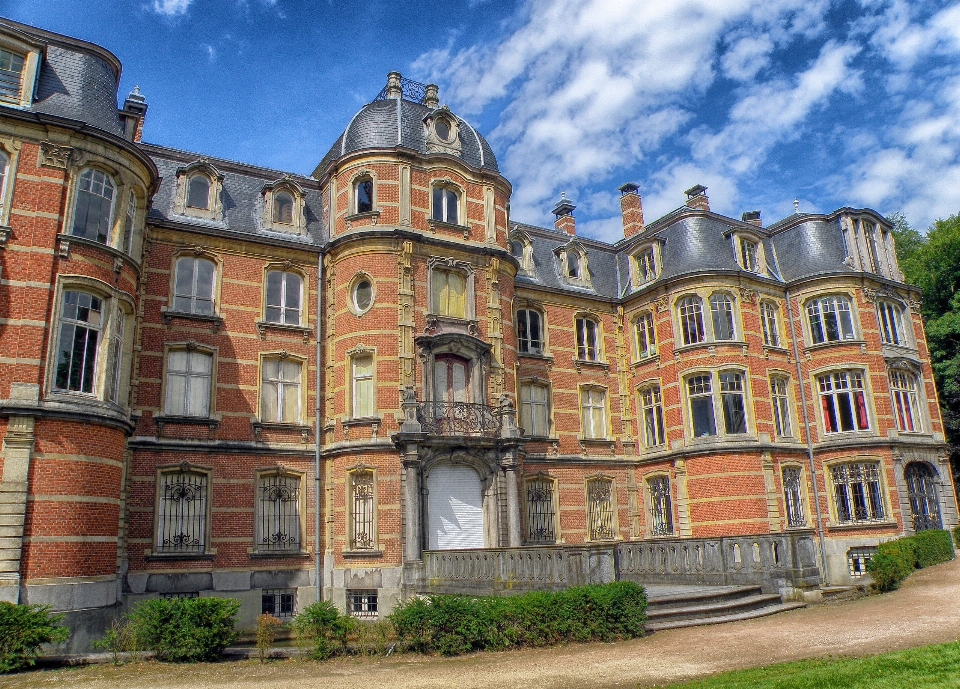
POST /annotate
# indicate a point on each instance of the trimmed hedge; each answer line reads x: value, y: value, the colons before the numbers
x: 186, y: 629
x: 452, y: 625
x: 896, y: 560
x: 23, y: 629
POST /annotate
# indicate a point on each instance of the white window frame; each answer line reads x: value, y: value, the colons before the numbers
x: 441, y: 212
x: 532, y: 408
x: 653, y: 433
x: 363, y: 386
x: 280, y: 318
x: 586, y: 347
x: 645, y: 335
x: 891, y: 322
x: 690, y: 319
x: 89, y: 177
x: 841, y: 387
x: 90, y: 371
x: 836, y: 304
x: 529, y: 344
x: 905, y: 391
x: 593, y: 403
x: 780, y: 404
x: 770, y: 323
x: 646, y: 264
x: 716, y: 387
x: 282, y: 387
x: 192, y: 378
x: 193, y: 295
x: 729, y: 309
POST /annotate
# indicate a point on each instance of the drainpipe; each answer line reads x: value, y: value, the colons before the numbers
x: 806, y: 426
x: 316, y: 439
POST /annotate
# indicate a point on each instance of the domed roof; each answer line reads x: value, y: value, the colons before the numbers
x: 399, y: 118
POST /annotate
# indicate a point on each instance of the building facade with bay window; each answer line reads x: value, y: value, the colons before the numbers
x: 363, y: 384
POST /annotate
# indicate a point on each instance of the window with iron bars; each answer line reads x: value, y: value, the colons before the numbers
x: 182, y: 512
x: 858, y: 558
x: 541, y: 519
x: 362, y: 531
x: 857, y: 492
x: 793, y: 496
x: 278, y: 505
x: 661, y: 506
x: 363, y: 604
x: 600, y: 509
x: 281, y: 603
x: 180, y: 596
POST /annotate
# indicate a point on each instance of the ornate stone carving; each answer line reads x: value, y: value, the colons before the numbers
x: 54, y: 155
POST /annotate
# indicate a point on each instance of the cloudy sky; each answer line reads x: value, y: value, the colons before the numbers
x: 853, y: 103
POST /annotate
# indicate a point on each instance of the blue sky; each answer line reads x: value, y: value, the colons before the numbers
x: 848, y: 103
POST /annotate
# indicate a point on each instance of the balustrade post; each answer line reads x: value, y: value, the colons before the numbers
x: 412, y: 505
x: 410, y: 422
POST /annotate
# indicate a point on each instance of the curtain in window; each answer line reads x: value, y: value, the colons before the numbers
x: 188, y: 383
x: 449, y: 293
x: 534, y: 409
x: 280, y: 391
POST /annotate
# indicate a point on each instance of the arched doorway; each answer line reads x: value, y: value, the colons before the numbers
x: 454, y: 508
x: 922, y: 492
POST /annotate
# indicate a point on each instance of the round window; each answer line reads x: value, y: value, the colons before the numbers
x: 363, y: 295
x: 442, y: 128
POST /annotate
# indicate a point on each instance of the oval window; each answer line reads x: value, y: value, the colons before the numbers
x: 442, y: 128
x: 363, y: 295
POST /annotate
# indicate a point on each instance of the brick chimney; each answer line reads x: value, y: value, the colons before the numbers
x: 564, y: 212
x: 697, y: 198
x: 133, y: 114
x: 632, y: 210
x: 752, y: 217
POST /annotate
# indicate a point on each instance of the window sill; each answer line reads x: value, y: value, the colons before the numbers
x: 580, y: 363
x: 361, y: 420
x: 362, y: 553
x: 278, y: 554
x: 834, y: 343
x: 542, y: 438
x: 302, y: 330
x: 649, y: 359
x: 214, y: 319
x: 161, y: 420
x: 709, y: 345
x: 206, y: 555
x: 454, y: 227
x: 65, y: 240
x: 259, y: 426
x: 775, y: 349
x: 852, y: 526
x: 440, y: 325
x: 895, y: 350
x: 532, y: 355
x: 358, y: 218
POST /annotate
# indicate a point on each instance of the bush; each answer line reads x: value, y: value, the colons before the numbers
x: 120, y: 638
x: 896, y: 560
x: 267, y: 626
x: 23, y: 629
x: 932, y: 547
x: 452, y: 625
x: 186, y: 629
x: 323, y: 629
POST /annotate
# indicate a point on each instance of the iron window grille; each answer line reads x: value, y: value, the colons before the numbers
x: 81, y: 320
x: 193, y: 286
x: 661, y: 506
x: 906, y: 402
x: 768, y: 320
x: 793, y: 496
x: 529, y: 331
x: 601, y: 509
x: 858, y: 559
x: 690, y: 311
x: 721, y: 311
x: 831, y: 319
x: 588, y: 340
x: 843, y: 402
x: 180, y: 596
x: 891, y: 323
x: 922, y: 492
x: 363, y: 604
x: 652, y: 405
x: 284, y: 297
x: 94, y: 206
x: 281, y: 603
x: 646, y: 336
x: 857, y: 493
x: 189, y: 375
x: 363, y: 535
x: 279, y: 513
x: 182, y: 512
x: 541, y: 519
x: 535, y: 410
x: 781, y: 406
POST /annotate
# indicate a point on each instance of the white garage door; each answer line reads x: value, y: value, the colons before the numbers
x: 454, y: 508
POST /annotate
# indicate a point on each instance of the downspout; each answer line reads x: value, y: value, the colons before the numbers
x: 316, y: 438
x: 806, y: 428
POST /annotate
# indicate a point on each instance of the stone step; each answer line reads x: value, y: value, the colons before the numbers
x: 836, y: 594
x: 699, y: 595
x: 698, y: 610
x: 720, y: 619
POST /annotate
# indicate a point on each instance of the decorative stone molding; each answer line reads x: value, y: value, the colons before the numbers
x: 54, y: 155
x: 748, y: 295
x: 269, y: 192
x: 214, y: 211
x: 436, y: 143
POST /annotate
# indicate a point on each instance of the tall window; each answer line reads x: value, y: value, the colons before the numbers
x: 182, y: 512
x: 748, y: 255
x: 278, y: 513
x: 646, y: 336
x: 116, y: 371
x: 705, y: 406
x: 721, y: 311
x: 449, y: 293
x: 830, y: 319
x: 843, y: 402
x: 11, y: 77
x: 364, y: 392
x: 541, y: 519
x: 535, y: 409
x: 94, y: 206
x: 529, y: 331
x: 198, y: 192
x: 690, y: 311
x: 700, y: 391
x: 194, y: 285
x: 793, y: 496
x: 364, y: 195
x: 593, y: 412
x: 588, y: 339
x: 573, y: 265
x: 81, y: 322
x: 280, y: 391
x: 734, y: 409
x: 188, y: 383
x: 652, y: 410
x: 284, y: 297
x: 922, y: 492
x: 906, y: 402
x: 768, y: 321
x: 646, y: 262
x: 870, y: 234
x: 661, y: 506
x: 600, y: 509
x: 856, y: 491
x: 362, y: 510
x: 780, y: 398
x: 446, y: 205
x: 283, y: 208
x: 129, y: 221
x: 890, y: 316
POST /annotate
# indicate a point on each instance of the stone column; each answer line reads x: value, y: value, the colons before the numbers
x: 412, y: 508
x: 510, y: 464
x: 17, y: 451
x: 514, y: 537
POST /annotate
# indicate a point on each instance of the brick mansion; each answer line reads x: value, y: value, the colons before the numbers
x: 372, y: 382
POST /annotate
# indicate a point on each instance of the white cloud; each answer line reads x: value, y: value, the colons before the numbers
x: 746, y: 57
x: 171, y: 8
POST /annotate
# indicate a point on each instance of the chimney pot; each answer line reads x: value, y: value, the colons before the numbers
x: 631, y: 208
x: 133, y: 113
x: 564, y: 215
x: 697, y: 198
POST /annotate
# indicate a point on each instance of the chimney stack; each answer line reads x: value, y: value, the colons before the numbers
x: 632, y: 210
x: 431, y: 96
x: 752, y: 217
x: 697, y: 198
x: 133, y: 113
x: 394, y: 85
x: 564, y: 212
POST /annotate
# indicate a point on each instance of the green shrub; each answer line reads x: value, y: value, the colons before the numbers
x: 932, y: 547
x: 23, y: 629
x: 956, y: 536
x: 122, y: 637
x: 323, y: 629
x: 186, y: 629
x: 896, y: 560
x: 452, y: 625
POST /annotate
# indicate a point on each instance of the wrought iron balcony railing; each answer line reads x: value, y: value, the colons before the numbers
x: 458, y: 419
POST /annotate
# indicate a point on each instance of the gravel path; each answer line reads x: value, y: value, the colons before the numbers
x: 924, y: 611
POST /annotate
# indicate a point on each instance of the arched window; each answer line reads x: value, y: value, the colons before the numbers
x: 721, y: 312
x: 81, y: 326
x: 194, y: 286
x: 283, y: 208
x: 830, y: 319
x: 857, y: 492
x: 94, y: 206
x: 446, y: 204
x: 198, y: 192
x: 588, y: 339
x: 516, y: 248
x: 529, y: 331
x: 284, y: 297
x: 690, y: 312
x: 363, y: 194
x: 922, y: 492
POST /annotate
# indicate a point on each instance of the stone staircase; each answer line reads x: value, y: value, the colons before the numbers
x: 671, y: 607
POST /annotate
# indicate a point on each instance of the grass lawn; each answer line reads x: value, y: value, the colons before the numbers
x: 930, y: 666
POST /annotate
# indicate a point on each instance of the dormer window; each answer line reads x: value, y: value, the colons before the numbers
x: 11, y: 77
x: 198, y: 195
x: 283, y: 203
x: 198, y: 191
x: 646, y: 265
x: 283, y: 208
x: 442, y: 127
x: 573, y: 266
x: 748, y: 255
x: 521, y: 247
